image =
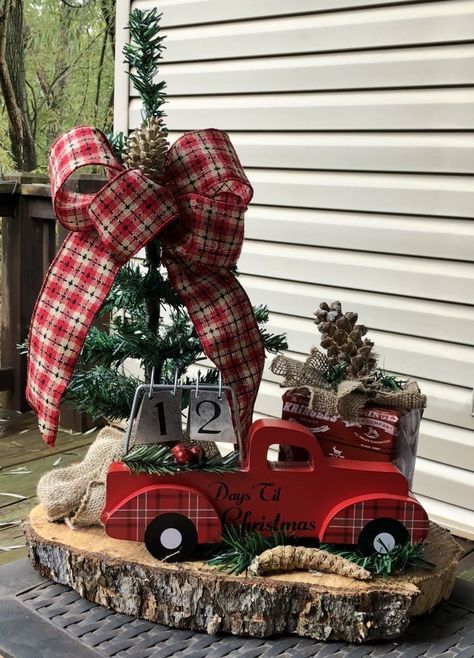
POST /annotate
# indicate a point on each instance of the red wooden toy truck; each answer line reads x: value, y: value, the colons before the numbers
x: 335, y: 501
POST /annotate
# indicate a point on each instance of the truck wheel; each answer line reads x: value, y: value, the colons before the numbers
x: 171, y: 537
x: 382, y: 535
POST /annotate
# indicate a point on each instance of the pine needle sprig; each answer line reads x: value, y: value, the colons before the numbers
x: 387, y: 381
x: 151, y: 459
x: 102, y: 391
x: 156, y: 459
x: 241, y: 547
x: 143, y: 53
x: 273, y: 343
x: 334, y: 373
x: 117, y: 142
x: 218, y: 464
x: 398, y: 559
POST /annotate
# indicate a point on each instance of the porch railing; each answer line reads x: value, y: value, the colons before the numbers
x: 30, y: 238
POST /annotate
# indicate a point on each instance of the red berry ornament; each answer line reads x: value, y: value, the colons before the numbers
x: 197, y: 452
x: 182, y: 454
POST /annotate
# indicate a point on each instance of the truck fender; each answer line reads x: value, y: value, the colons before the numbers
x: 345, y: 522
x: 131, y: 516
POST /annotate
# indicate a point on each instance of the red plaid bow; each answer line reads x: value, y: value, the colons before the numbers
x: 206, y: 191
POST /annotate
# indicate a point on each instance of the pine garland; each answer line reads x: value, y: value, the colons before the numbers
x: 394, y: 561
x: 240, y: 548
x: 157, y: 459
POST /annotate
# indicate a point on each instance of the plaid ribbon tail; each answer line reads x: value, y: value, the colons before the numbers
x: 108, y: 228
x: 225, y: 323
x: 200, y: 252
x: 61, y: 319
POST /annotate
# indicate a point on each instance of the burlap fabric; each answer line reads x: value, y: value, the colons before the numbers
x: 77, y: 492
x: 349, y: 397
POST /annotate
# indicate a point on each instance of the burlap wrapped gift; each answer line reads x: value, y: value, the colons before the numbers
x: 353, y: 419
x: 347, y: 398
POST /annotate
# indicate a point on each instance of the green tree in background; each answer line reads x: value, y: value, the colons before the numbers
x: 57, y: 72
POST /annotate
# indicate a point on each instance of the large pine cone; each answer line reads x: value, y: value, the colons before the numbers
x: 146, y: 149
x: 343, y: 340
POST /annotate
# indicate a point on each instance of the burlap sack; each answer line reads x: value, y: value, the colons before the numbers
x: 77, y: 492
x: 349, y: 397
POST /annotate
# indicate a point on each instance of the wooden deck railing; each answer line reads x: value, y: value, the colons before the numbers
x: 30, y: 239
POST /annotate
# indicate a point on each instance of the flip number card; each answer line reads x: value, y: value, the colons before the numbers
x: 159, y: 418
x: 209, y: 417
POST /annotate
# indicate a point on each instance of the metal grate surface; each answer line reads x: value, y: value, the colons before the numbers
x: 95, y: 631
x: 449, y: 633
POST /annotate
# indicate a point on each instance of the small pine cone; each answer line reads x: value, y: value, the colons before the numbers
x: 343, y: 339
x: 291, y: 558
x: 146, y: 149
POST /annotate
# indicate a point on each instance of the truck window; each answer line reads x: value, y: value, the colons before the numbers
x: 289, y: 458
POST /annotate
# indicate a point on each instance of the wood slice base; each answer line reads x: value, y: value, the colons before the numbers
x: 123, y: 576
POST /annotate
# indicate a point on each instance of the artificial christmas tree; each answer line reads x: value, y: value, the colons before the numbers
x: 149, y: 322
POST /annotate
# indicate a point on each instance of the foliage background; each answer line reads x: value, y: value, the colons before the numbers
x: 69, y: 67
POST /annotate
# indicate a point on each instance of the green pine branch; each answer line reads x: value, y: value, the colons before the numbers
x: 273, y: 343
x: 143, y: 54
x: 241, y: 547
x: 102, y: 392
x: 387, y: 381
x: 398, y: 559
x: 117, y: 142
x: 158, y: 459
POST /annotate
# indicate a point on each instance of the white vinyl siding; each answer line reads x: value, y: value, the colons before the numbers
x: 354, y: 120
